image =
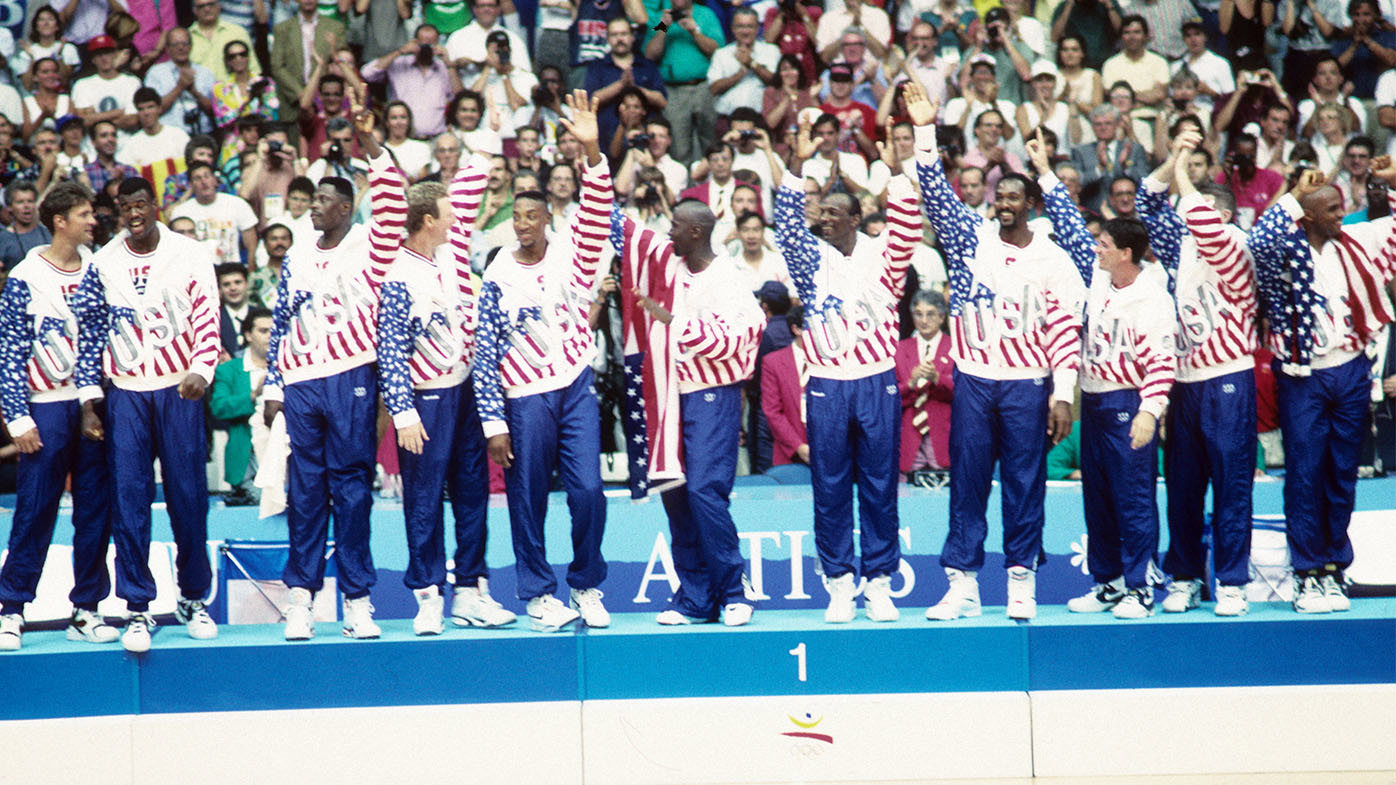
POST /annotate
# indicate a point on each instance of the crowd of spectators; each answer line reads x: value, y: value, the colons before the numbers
x: 234, y: 109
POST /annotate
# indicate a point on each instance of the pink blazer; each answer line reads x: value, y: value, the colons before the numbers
x: 937, y: 405
x: 780, y: 400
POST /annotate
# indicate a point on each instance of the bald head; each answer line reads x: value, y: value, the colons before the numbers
x: 692, y: 229
x: 1323, y: 213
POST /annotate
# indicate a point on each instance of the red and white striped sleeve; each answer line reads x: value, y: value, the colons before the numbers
x: 466, y: 193
x: 1158, y: 359
x: 1061, y: 333
x: 591, y: 226
x: 716, y: 337
x: 1218, y: 247
x: 204, y: 341
x: 903, y: 233
x: 387, y: 194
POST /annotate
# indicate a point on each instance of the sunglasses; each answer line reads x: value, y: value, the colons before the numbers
x: 232, y: 55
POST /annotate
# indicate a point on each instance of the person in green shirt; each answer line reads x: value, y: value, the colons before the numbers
x: 682, y: 43
x: 236, y: 396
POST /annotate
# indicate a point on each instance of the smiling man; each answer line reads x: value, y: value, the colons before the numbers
x: 1014, y: 303
x: 147, y: 313
x: 534, y: 383
x: 320, y: 371
x: 850, y: 284
x: 39, y: 400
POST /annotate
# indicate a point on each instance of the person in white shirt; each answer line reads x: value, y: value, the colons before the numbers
x: 924, y: 65
x: 186, y: 88
x: 828, y: 162
x: 466, y: 47
x: 107, y: 94
x: 154, y: 141
x: 855, y: 13
x: 757, y: 261
x: 656, y: 155
x: 222, y: 222
x: 1214, y: 73
x: 413, y: 156
x: 739, y: 72
x: 505, y: 84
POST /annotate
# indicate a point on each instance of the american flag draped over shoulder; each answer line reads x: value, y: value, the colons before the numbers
x: 650, y: 411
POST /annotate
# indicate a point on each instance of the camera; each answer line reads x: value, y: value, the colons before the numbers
x: 503, y: 54
x: 749, y: 133
x: 336, y: 152
x: 273, y: 147
x: 638, y: 142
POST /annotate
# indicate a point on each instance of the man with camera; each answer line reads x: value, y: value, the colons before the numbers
x: 185, y: 87
x: 466, y: 48
x: 267, y: 174
x: 338, y: 159
x: 623, y: 67
x: 418, y: 74
x: 503, y: 82
x: 651, y: 148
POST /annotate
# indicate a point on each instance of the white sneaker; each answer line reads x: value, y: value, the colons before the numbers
x: 430, y: 605
x: 194, y: 616
x: 1102, y: 597
x: 11, y: 630
x: 961, y: 599
x: 1022, y: 593
x: 89, y: 626
x: 1137, y: 604
x: 548, y: 614
x: 877, y: 600
x: 473, y: 606
x: 842, y: 606
x: 738, y: 614
x: 1231, y: 601
x: 672, y: 618
x: 358, y: 619
x: 1335, y: 588
x: 136, y: 638
x: 300, y: 616
x: 588, y: 603
x: 1309, y: 596
x: 1182, y: 596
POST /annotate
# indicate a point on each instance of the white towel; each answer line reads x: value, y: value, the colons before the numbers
x: 273, y: 447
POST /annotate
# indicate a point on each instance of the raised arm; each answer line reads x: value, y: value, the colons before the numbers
x: 1216, y: 245
x: 1151, y: 202
x: 387, y: 196
x: 956, y: 225
x: 903, y: 232
x: 797, y: 244
x: 591, y: 223
x: 1067, y: 221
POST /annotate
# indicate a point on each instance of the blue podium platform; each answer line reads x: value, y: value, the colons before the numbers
x: 782, y: 653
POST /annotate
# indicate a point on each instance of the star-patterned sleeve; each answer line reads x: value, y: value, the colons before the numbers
x: 490, y: 337
x: 90, y: 307
x: 1280, y: 249
x: 280, y: 322
x: 956, y: 226
x: 799, y: 247
x: 394, y: 352
x: 1069, y: 226
x: 1162, y: 221
x: 16, y: 346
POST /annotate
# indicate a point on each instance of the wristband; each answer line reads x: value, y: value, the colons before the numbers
x: 661, y: 27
